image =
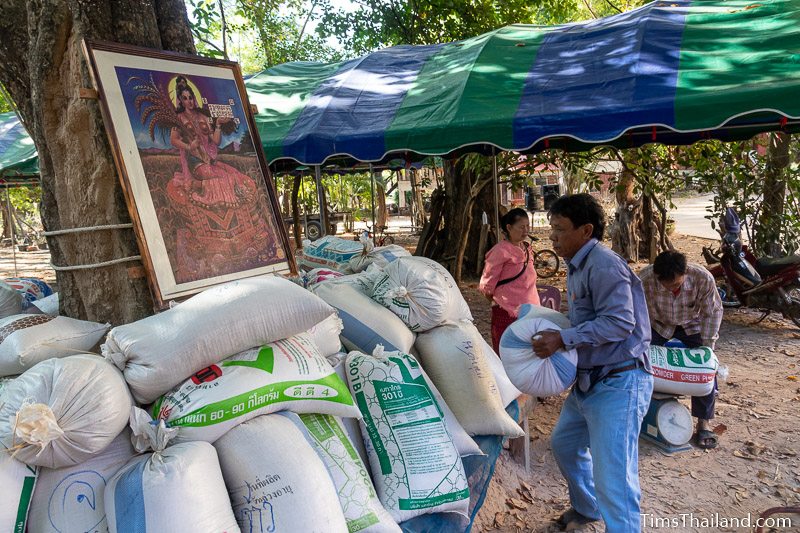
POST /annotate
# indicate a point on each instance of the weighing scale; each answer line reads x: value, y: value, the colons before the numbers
x: 667, y: 424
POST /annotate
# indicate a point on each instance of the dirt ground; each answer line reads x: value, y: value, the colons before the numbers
x: 754, y: 468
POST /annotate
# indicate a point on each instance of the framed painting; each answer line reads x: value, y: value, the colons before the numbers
x: 195, y: 178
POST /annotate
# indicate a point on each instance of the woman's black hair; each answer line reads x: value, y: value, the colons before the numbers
x: 511, y: 217
x: 581, y: 209
x: 179, y: 88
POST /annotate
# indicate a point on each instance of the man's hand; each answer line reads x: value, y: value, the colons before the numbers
x: 546, y: 343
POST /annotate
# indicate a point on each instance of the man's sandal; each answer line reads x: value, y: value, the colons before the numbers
x: 705, y: 439
x: 572, y: 520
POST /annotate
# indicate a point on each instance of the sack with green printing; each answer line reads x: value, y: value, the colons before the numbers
x: 17, y: 481
x: 415, y: 465
x: 288, y: 374
x: 360, y: 504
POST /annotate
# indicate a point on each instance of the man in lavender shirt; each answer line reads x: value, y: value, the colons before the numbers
x: 595, y: 441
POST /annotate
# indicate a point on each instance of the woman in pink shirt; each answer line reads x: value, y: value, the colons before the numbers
x: 509, y: 276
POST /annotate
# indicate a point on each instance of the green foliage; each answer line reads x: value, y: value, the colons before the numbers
x: 257, y: 33
x: 735, y: 173
x: 379, y: 23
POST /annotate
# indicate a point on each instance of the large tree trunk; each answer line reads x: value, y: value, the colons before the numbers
x: 43, y: 68
x: 770, y: 220
x: 624, y: 237
x: 448, y: 245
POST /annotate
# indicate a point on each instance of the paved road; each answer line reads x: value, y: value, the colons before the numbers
x: 689, y: 216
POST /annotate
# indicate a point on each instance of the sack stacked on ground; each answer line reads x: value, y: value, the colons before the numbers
x: 48, y: 305
x: 508, y: 392
x: 326, y: 335
x: 73, y: 498
x: 11, y: 301
x: 28, y: 339
x: 362, y: 508
x: 175, y: 488
x: 687, y: 371
x: 17, y: 481
x: 415, y: 464
x: 276, y: 481
x: 366, y: 324
x: 61, y: 412
x: 380, y: 256
x: 421, y: 292
x: 159, y: 352
x: 527, y: 371
x: 452, y: 355
x: 287, y: 374
x: 331, y: 252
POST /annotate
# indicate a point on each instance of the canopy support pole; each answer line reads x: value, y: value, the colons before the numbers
x: 372, y: 196
x: 496, y: 196
x: 323, y: 211
x: 13, y: 235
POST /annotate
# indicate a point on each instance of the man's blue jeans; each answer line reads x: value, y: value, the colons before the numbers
x: 596, y: 445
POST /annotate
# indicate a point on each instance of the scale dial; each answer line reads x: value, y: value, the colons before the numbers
x: 674, y: 423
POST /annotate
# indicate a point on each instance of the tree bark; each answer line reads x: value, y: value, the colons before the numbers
x: 770, y: 220
x: 298, y: 239
x: 624, y: 238
x: 43, y: 67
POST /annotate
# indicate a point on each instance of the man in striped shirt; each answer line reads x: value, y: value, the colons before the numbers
x: 683, y: 303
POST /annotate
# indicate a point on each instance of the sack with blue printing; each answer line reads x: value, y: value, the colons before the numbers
x: 73, y: 498
x: 287, y: 374
x: 331, y: 252
x: 175, y: 488
x: 362, y: 508
x: 527, y: 371
x: 276, y: 481
x: 415, y: 464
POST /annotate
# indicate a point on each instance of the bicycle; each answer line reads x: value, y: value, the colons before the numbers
x: 546, y: 262
x: 381, y: 238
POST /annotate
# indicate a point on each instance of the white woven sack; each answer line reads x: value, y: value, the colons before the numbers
x: 452, y: 356
x: 11, y: 301
x: 326, y: 335
x: 286, y: 374
x: 159, y: 352
x: 17, y: 481
x: 276, y: 481
x: 683, y: 371
x: 63, y: 411
x: 331, y: 252
x: 4, y: 382
x: 350, y: 425
x: 527, y: 371
x: 28, y: 339
x: 415, y: 464
x: 362, y: 509
x: 380, y: 256
x: 175, y: 488
x: 464, y: 443
x: 366, y: 323
x: 48, y: 305
x: 539, y: 311
x: 508, y: 392
x: 421, y: 292
x: 73, y: 498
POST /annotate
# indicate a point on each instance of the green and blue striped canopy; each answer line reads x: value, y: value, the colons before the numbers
x: 672, y: 71
x: 17, y: 152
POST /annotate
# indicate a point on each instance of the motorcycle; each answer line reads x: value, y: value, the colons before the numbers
x: 768, y: 284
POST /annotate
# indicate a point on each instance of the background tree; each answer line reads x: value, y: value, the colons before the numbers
x: 43, y: 68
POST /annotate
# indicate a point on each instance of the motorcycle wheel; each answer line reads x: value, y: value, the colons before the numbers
x: 727, y: 295
x: 794, y: 305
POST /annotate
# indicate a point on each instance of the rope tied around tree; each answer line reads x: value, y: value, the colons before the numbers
x: 88, y: 229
